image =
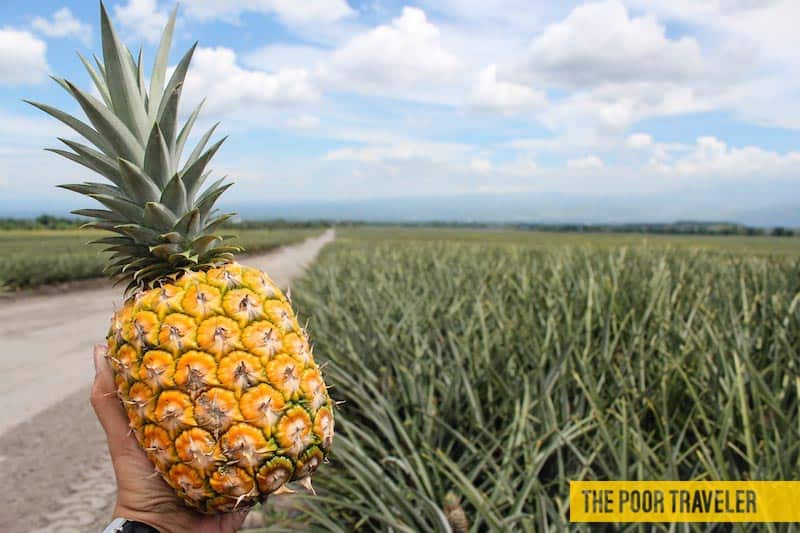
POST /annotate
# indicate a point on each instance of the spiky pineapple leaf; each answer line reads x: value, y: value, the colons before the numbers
x: 86, y: 131
x: 175, y: 81
x: 102, y: 214
x: 96, y: 161
x: 88, y: 188
x: 186, y: 130
x: 157, y: 162
x: 107, y: 124
x: 141, y: 187
x: 164, y: 217
x: 121, y: 78
x: 174, y: 195
x: 99, y: 82
x: 128, y: 209
x: 159, y: 216
x: 158, y: 74
x: 194, y: 175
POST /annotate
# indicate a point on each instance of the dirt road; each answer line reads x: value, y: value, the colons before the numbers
x: 53, y: 459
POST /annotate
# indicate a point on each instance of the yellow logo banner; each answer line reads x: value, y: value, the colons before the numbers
x: 684, y: 501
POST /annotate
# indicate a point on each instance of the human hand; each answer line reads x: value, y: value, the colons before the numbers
x: 142, y: 496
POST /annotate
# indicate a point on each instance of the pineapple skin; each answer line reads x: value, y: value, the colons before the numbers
x: 220, y: 386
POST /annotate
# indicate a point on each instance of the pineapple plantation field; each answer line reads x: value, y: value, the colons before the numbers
x: 29, y: 258
x: 481, y: 372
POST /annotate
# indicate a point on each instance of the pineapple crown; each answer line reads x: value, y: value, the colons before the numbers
x: 165, y: 222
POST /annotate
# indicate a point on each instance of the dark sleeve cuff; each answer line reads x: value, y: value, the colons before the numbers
x: 137, y: 527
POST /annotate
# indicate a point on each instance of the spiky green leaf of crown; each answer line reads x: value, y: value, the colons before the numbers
x: 164, y: 220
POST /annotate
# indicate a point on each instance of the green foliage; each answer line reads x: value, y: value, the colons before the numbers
x: 501, y: 372
x: 33, y: 258
x: 40, y: 222
x: 760, y: 245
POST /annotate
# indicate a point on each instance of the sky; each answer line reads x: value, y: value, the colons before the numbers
x: 329, y: 100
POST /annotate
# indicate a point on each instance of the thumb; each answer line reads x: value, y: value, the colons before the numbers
x: 104, y: 400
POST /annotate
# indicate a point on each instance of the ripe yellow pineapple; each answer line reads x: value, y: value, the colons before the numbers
x: 214, y: 371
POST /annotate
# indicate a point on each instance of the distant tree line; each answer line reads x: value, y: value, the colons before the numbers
x: 672, y: 228
x: 41, y: 222
x: 53, y: 222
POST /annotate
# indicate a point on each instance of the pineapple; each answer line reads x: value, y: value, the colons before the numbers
x: 210, y: 363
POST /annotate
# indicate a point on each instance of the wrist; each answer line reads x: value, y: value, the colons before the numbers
x: 151, y: 519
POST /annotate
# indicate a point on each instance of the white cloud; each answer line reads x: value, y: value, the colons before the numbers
x: 710, y: 157
x: 489, y: 93
x: 227, y: 86
x: 303, y: 122
x: 637, y: 141
x: 612, y: 108
x: 404, y: 58
x: 142, y: 19
x: 38, y: 127
x: 291, y: 12
x: 22, y: 58
x: 64, y: 24
x: 524, y: 166
x: 481, y: 165
x: 401, y: 151
x: 585, y: 163
x: 277, y: 56
x: 601, y: 43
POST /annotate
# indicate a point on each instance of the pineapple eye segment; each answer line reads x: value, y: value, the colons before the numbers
x: 178, y: 333
x: 313, y: 387
x: 297, y: 346
x: 227, y: 277
x: 245, y: 445
x: 283, y: 372
x: 232, y: 482
x: 140, y: 404
x: 118, y: 324
x: 142, y: 331
x: 162, y: 300
x: 158, y: 446
x: 218, y: 336
x: 239, y: 370
x: 308, y: 463
x: 261, y: 339
x: 243, y: 305
x: 262, y: 406
x: 274, y: 474
x: 202, y: 301
x: 216, y: 409
x: 125, y: 362
x: 157, y: 369
x: 191, y: 279
x: 261, y: 284
x: 281, y: 315
x: 196, y: 371
x: 174, y: 411
x: 294, y: 431
x: 196, y: 447
x: 189, y: 481
x: 323, y: 427
x: 123, y: 385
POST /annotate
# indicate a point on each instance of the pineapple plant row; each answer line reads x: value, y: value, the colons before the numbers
x: 484, y: 373
x: 215, y: 372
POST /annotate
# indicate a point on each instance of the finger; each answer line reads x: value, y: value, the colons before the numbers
x: 232, y: 521
x: 104, y: 400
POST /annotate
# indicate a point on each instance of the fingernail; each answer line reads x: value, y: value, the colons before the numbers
x: 99, y: 353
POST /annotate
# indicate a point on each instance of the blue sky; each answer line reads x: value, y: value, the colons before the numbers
x: 345, y: 99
